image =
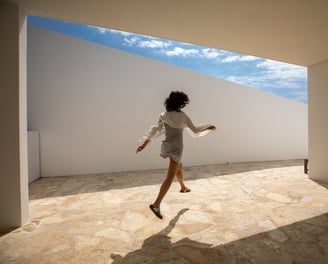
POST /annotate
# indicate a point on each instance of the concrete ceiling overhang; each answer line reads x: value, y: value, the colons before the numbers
x: 293, y: 31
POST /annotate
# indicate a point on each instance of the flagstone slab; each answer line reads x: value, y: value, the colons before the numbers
x: 257, y: 212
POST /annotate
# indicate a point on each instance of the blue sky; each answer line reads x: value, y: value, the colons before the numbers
x: 282, y: 79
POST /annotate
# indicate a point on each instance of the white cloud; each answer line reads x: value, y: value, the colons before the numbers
x: 248, y: 58
x: 156, y: 43
x: 265, y: 80
x: 252, y: 81
x: 186, y: 44
x: 153, y: 43
x: 131, y: 41
x: 235, y: 58
x: 210, y: 53
x: 289, y: 79
x: 181, y: 52
x: 103, y: 30
x: 279, y: 70
x: 123, y: 33
x: 281, y: 78
x: 230, y: 59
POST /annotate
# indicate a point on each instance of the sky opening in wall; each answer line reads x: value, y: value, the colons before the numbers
x: 279, y: 78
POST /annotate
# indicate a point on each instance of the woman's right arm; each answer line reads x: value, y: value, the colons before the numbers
x: 141, y: 147
x: 153, y: 132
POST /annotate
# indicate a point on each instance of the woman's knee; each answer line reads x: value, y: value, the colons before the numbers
x: 179, y: 169
x: 174, y: 166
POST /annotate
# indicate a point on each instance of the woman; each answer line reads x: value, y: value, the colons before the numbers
x: 172, y: 122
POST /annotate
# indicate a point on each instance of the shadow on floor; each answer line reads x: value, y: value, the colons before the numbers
x: 70, y: 185
x: 302, y: 242
x: 323, y: 184
x: 7, y: 232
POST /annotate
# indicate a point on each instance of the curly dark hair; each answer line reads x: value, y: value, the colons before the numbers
x: 176, y: 101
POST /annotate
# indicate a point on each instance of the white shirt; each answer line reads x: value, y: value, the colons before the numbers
x: 176, y: 120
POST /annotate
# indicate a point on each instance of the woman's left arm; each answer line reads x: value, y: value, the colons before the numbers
x: 211, y: 127
x: 198, y: 128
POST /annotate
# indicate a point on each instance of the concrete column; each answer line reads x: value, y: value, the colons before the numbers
x: 13, y: 127
x: 318, y: 121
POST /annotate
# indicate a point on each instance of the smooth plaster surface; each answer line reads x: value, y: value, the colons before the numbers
x: 33, y: 139
x: 318, y: 109
x: 293, y: 31
x: 13, y: 135
x: 293, y: 21
x: 92, y: 104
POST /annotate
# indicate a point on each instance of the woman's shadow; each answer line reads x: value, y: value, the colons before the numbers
x: 158, y: 248
x: 300, y: 242
x: 153, y: 248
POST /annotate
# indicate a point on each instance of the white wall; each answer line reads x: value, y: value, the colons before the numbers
x: 318, y: 112
x: 92, y: 103
x: 13, y: 132
x: 33, y: 156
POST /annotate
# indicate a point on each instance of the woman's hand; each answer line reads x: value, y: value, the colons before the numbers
x: 140, y: 148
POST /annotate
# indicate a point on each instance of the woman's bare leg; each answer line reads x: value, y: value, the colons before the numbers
x: 179, y: 174
x: 172, y: 170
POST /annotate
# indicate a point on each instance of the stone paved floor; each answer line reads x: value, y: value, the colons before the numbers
x: 263, y: 212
